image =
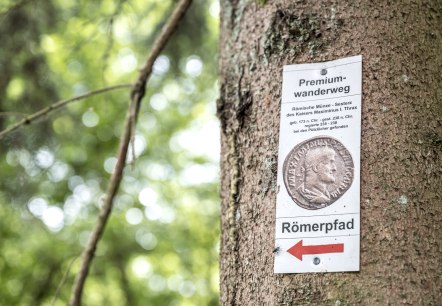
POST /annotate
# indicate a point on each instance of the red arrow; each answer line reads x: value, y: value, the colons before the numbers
x: 298, y: 249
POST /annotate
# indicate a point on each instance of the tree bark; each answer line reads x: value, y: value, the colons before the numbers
x: 401, y: 193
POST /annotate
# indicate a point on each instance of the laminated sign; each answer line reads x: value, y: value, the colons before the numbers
x: 318, y: 203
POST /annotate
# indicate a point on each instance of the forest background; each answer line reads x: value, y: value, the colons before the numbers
x: 161, y: 244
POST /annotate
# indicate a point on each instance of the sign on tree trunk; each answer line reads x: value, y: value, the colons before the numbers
x: 317, y: 213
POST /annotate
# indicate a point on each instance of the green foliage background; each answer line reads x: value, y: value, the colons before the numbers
x: 161, y: 244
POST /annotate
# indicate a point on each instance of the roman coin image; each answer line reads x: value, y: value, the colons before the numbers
x: 317, y: 172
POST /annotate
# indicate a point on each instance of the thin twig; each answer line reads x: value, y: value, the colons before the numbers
x: 137, y: 95
x: 63, y: 281
x: 110, y: 36
x: 12, y: 114
x: 43, y: 112
x: 14, y: 6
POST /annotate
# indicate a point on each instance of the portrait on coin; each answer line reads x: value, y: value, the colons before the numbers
x: 319, y: 172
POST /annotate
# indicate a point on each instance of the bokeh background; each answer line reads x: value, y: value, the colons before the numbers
x: 161, y: 244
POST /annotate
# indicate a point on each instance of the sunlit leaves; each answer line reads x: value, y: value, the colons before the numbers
x: 160, y: 245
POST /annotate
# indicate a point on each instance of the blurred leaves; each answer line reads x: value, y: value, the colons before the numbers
x: 160, y: 247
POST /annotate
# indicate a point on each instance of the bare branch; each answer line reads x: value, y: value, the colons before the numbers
x: 137, y: 95
x: 60, y: 104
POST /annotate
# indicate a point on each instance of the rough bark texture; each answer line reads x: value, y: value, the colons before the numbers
x: 401, y: 187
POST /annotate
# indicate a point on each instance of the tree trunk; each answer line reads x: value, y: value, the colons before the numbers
x: 401, y: 187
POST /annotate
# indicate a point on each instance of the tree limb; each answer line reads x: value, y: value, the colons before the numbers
x: 137, y: 95
x: 43, y: 112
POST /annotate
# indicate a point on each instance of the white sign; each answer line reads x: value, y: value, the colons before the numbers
x: 318, y: 204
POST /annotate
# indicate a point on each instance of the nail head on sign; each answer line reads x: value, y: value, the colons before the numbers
x: 323, y: 71
x: 316, y: 261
